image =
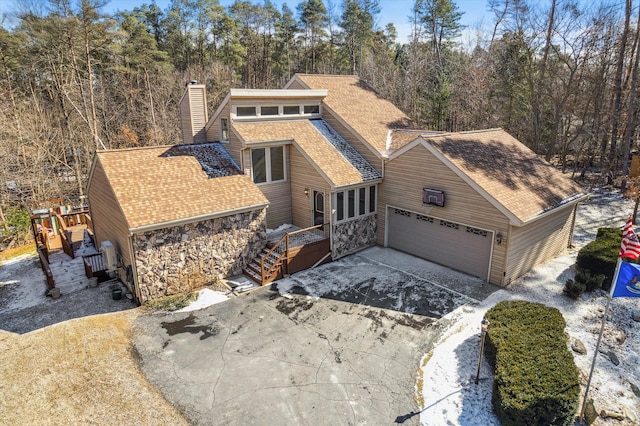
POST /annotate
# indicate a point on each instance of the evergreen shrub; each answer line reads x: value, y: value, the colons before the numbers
x: 536, y: 379
x: 599, y: 257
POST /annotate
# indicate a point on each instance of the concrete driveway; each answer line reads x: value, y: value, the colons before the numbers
x: 267, y: 358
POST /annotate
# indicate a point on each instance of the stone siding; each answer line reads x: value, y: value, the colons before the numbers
x: 354, y: 235
x: 179, y: 259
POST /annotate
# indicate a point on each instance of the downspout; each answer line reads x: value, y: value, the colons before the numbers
x: 134, y: 272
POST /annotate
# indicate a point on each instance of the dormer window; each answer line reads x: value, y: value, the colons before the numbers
x: 291, y: 109
x: 268, y: 110
x: 246, y: 111
x: 312, y: 109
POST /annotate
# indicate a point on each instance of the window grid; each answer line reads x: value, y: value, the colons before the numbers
x: 354, y: 203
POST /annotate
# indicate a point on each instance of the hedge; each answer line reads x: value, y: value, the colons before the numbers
x: 536, y: 380
x: 599, y: 257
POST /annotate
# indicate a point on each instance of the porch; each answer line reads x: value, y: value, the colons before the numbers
x: 290, y: 249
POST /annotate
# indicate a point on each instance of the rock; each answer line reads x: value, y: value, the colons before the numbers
x: 611, y: 415
x: 621, y: 337
x: 614, y: 359
x: 590, y: 413
x: 636, y: 316
x: 635, y: 389
x: 630, y: 415
x: 578, y: 347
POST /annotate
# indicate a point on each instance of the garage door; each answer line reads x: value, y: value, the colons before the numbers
x: 450, y: 244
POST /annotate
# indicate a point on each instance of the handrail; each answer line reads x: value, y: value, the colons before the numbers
x: 276, y: 249
x: 269, y: 253
x: 44, y: 263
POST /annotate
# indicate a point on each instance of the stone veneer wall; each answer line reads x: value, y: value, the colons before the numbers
x: 354, y: 235
x: 179, y: 259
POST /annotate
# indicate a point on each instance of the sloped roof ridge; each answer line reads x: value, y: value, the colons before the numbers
x: 142, y: 148
x: 346, y: 150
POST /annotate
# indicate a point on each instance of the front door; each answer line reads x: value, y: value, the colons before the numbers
x: 318, y: 208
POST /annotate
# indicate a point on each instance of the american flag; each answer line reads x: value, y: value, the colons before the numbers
x: 630, y: 246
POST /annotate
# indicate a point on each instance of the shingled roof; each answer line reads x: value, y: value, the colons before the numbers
x: 505, y: 170
x: 338, y: 161
x: 361, y: 108
x: 165, y: 184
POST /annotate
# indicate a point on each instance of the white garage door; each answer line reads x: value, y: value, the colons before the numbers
x: 450, y: 244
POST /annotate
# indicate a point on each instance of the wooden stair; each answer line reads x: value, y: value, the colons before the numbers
x: 253, y: 269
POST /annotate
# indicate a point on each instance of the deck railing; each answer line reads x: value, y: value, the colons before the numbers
x: 279, y: 253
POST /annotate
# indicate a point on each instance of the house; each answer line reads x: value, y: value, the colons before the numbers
x: 326, y: 154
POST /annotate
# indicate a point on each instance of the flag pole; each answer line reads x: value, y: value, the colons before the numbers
x: 595, y: 354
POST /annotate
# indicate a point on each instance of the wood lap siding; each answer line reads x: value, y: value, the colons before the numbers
x: 296, y: 85
x: 109, y: 222
x: 407, y: 175
x: 198, y: 114
x: 541, y: 240
x: 213, y: 133
x: 278, y: 194
x: 303, y: 175
x: 193, y: 115
x: 279, y: 197
x: 185, y: 119
x: 330, y: 117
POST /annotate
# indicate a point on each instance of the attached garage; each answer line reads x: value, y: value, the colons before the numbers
x: 503, y: 211
x: 455, y: 245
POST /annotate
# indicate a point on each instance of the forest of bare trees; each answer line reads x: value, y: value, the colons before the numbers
x: 560, y: 75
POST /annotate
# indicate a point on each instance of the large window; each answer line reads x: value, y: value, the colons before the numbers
x: 224, y: 129
x: 312, y: 109
x: 355, y: 202
x: 268, y: 164
x: 291, y: 109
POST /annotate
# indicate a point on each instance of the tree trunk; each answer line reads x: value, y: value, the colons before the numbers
x: 617, y: 103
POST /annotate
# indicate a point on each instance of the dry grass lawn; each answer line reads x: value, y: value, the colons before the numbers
x: 78, y: 372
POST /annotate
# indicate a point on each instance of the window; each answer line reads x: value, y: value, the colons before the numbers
x: 248, y: 111
x: 277, y: 163
x: 312, y: 109
x: 351, y: 210
x: 259, y: 165
x: 269, y: 110
x: 268, y: 164
x: 362, y: 201
x: 291, y: 110
x: 224, y: 129
x: 355, y: 202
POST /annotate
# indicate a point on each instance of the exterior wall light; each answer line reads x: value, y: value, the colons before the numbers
x: 306, y: 192
x: 499, y: 238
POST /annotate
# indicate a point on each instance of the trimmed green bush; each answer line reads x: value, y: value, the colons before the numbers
x: 574, y: 289
x: 591, y: 282
x: 536, y: 380
x: 599, y: 257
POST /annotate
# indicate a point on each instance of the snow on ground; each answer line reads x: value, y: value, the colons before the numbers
x: 206, y: 297
x: 450, y: 394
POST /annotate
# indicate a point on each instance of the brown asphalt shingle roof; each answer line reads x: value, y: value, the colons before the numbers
x: 370, y: 115
x: 507, y: 170
x: 162, y: 184
x: 340, y: 168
